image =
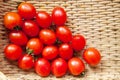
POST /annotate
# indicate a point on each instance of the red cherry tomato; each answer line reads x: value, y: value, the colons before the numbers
x: 76, y: 66
x: 30, y: 28
x: 12, y: 20
x: 43, y: 19
x: 47, y: 36
x: 42, y: 67
x: 65, y: 51
x: 13, y: 52
x: 59, y: 67
x: 26, y: 62
x: 59, y: 16
x: 78, y: 42
x: 35, y: 45
x: 64, y: 34
x: 26, y: 10
x: 92, y: 56
x: 50, y: 52
x: 18, y: 37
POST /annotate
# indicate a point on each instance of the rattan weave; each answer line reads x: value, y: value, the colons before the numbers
x: 97, y: 20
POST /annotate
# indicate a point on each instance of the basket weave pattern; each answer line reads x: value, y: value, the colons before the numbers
x: 97, y: 20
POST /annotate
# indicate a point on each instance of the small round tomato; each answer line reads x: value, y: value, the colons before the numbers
x: 42, y: 67
x: 26, y: 62
x: 18, y: 37
x: 65, y: 51
x: 43, y: 19
x: 35, y: 45
x: 13, y: 52
x: 76, y: 66
x: 47, y: 36
x: 26, y: 10
x: 92, y: 56
x: 59, y: 16
x: 59, y: 67
x: 78, y: 42
x: 12, y: 20
x: 30, y: 28
x: 50, y: 52
x: 64, y: 34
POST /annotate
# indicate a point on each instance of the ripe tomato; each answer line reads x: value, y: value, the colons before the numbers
x: 43, y: 19
x: 65, y: 51
x: 30, y: 28
x: 59, y: 67
x: 42, y: 67
x: 26, y: 62
x: 50, y: 52
x: 12, y: 20
x: 26, y: 10
x: 36, y: 45
x: 13, y: 52
x: 18, y: 37
x: 92, y: 56
x: 76, y: 66
x: 78, y: 42
x: 59, y: 16
x: 64, y: 34
x: 47, y: 36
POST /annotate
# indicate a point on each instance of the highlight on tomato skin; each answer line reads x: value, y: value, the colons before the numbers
x: 92, y: 56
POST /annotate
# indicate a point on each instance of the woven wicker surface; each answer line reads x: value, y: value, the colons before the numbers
x: 97, y: 20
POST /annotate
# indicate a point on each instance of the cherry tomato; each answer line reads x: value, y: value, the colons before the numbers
x: 35, y: 45
x: 59, y: 16
x: 42, y: 67
x: 50, y: 52
x: 30, y: 28
x: 59, y: 67
x: 12, y: 20
x: 26, y: 62
x: 13, y: 52
x: 47, y: 36
x: 64, y: 34
x: 92, y: 56
x: 78, y: 42
x: 65, y: 51
x: 43, y: 19
x: 26, y: 10
x: 76, y: 66
x: 18, y: 37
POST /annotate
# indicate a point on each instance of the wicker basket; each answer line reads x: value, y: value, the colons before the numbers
x: 97, y: 20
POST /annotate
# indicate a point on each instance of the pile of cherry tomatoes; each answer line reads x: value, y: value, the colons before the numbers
x: 42, y: 41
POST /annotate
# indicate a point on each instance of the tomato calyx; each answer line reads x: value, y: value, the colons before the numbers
x: 17, y: 28
x: 29, y: 51
x: 58, y: 42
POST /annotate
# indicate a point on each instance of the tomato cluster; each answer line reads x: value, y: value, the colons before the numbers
x: 42, y: 41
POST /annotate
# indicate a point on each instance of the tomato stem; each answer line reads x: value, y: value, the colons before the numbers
x: 29, y: 51
x: 17, y: 28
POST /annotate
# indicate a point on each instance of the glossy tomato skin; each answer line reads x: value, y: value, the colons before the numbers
x: 42, y: 67
x: 65, y: 51
x: 76, y: 66
x: 30, y: 28
x: 18, y: 37
x: 50, y: 52
x: 26, y: 62
x: 64, y: 34
x: 26, y: 10
x: 36, y: 45
x: 59, y: 67
x: 43, y: 19
x: 59, y: 16
x: 47, y: 36
x: 92, y: 56
x: 12, y: 20
x: 78, y: 42
x: 13, y: 52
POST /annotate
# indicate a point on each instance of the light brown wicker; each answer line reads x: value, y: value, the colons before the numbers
x: 97, y: 20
